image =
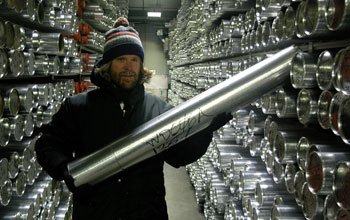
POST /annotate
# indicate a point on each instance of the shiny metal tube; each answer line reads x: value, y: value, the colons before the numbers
x: 154, y: 135
x: 302, y: 74
x: 334, y: 108
x: 4, y: 67
x: 6, y: 192
x: 17, y: 63
x: 256, y: 122
x: 9, y: 34
x: 289, y: 175
x: 51, y: 43
x: 342, y: 72
x: 323, y: 105
x: 261, y: 214
x: 19, y: 184
x: 29, y: 63
x: 5, y: 131
x: 278, y: 27
x: 268, y: 103
x: 337, y: 15
x: 41, y: 93
x: 266, y: 192
x: 42, y: 64
x: 339, y: 57
x: 11, y: 102
x: 25, y: 12
x: 319, y: 170
x: 313, y: 204
x: 266, y: 33
x: 16, y: 127
x: 4, y: 171
x: 324, y: 70
x: 12, y: 163
x: 330, y: 207
x: 307, y: 106
x: 25, y: 207
x: 293, y: 212
x: 254, y: 145
x: 343, y: 121
x: 315, y: 21
x: 49, y: 16
x: 286, y: 103
x: 54, y: 65
x: 2, y: 32
x: 277, y: 172
x: 289, y: 23
x: 299, y: 181
x: 285, y: 147
x: 299, y: 18
x: 19, y: 37
x: 340, y: 184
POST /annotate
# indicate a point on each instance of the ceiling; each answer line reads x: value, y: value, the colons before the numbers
x: 138, y: 11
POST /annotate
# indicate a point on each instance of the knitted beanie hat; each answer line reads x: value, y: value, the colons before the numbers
x: 122, y: 41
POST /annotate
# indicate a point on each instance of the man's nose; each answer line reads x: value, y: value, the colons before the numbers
x: 128, y: 65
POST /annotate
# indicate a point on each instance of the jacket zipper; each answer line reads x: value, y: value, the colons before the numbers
x: 122, y: 108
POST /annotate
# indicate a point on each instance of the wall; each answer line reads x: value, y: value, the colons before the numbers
x: 154, y: 59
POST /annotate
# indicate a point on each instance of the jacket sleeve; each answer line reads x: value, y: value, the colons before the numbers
x: 189, y: 150
x: 55, y: 147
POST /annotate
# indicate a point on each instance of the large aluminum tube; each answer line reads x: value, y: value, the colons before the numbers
x: 341, y: 72
x: 3, y: 63
x: 289, y: 174
x: 278, y: 27
x: 307, y: 106
x: 289, y: 23
x: 299, y: 181
x: 6, y: 192
x: 2, y: 105
x: 314, y: 20
x: 19, y: 184
x: 4, y: 171
x: 339, y: 56
x: 290, y: 211
x: 324, y: 70
x: 26, y: 12
x: 187, y: 118
x: 17, y: 63
x: 286, y: 103
x: 265, y: 193
x: 337, y: 15
x: 343, y: 119
x: 2, y: 32
x: 313, y: 205
x: 340, y: 183
x: 302, y: 74
x: 12, y: 163
x: 299, y: 18
x: 9, y: 34
x: 49, y: 16
x: 319, y: 170
x: 12, y: 102
x: 323, y: 105
x: 256, y: 122
x: 334, y: 108
x: 29, y: 63
x: 5, y: 131
x: 330, y: 207
x: 51, y: 43
x: 20, y: 37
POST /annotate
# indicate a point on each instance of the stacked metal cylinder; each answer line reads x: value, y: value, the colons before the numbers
x: 36, y: 49
x: 286, y: 156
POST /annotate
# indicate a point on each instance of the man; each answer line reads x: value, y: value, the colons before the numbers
x: 88, y: 122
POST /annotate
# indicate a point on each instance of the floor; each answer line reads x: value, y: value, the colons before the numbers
x: 180, y: 195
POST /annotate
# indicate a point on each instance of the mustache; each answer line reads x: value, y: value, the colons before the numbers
x: 128, y: 73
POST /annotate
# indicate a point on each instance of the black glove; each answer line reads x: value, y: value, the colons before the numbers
x: 68, y: 179
x: 219, y: 121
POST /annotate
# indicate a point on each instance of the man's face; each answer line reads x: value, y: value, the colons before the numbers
x: 125, y: 70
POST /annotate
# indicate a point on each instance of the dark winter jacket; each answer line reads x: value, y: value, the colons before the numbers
x: 88, y: 122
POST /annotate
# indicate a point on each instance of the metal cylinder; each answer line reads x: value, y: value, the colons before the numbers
x: 16, y: 127
x: 340, y: 185
x: 323, y: 105
x: 343, y: 121
x: 278, y: 63
x: 286, y: 103
x: 299, y: 181
x: 289, y: 23
x: 19, y: 184
x: 307, y: 106
x: 5, y: 131
x: 12, y: 102
x: 29, y: 63
x: 339, y: 56
x: 285, y: 147
x: 19, y: 37
x: 268, y: 103
x: 341, y: 72
x: 12, y: 163
x: 17, y: 63
x: 278, y: 27
x: 313, y: 205
x: 42, y: 64
x: 9, y: 34
x: 299, y: 18
x: 6, y: 192
x: 289, y: 175
x: 330, y: 207
x: 334, y: 108
x: 337, y: 15
x: 315, y: 21
x: 319, y: 170
x: 3, y: 63
x: 324, y: 70
x: 51, y: 43
x: 265, y: 193
x: 54, y: 65
x: 302, y: 74
x: 256, y: 122
x: 292, y: 212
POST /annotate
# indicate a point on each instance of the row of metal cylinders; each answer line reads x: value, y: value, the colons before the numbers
x: 28, y: 106
x: 14, y: 36
x: 230, y: 175
x: 324, y: 70
x: 44, y: 199
x: 39, y: 14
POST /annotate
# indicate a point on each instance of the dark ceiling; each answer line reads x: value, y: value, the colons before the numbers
x: 138, y: 11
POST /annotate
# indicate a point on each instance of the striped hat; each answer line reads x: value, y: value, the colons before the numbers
x: 122, y: 41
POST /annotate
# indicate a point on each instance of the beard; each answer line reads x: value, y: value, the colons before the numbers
x: 126, y: 79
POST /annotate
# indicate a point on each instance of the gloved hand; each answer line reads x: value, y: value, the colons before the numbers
x: 220, y: 120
